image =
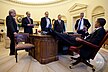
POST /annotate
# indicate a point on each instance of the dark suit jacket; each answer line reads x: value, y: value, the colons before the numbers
x: 59, y: 27
x: 27, y: 29
x: 86, y: 23
x: 86, y: 52
x: 11, y: 26
x: 44, y: 23
x: 96, y: 36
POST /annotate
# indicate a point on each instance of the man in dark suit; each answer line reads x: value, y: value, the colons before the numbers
x: 12, y: 29
x: 82, y: 25
x: 27, y: 23
x: 45, y: 22
x: 59, y: 25
x: 95, y: 38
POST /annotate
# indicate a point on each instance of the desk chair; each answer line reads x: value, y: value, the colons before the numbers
x: 22, y: 43
x: 96, y: 49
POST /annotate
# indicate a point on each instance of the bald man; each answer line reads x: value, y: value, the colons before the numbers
x: 46, y: 22
x: 59, y: 25
x: 27, y: 23
x: 12, y: 29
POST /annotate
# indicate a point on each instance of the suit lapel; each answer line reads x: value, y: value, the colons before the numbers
x: 45, y: 21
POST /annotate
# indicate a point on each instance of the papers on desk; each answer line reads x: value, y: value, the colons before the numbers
x: 44, y: 33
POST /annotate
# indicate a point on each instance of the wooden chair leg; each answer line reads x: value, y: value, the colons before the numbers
x: 16, y: 55
x: 34, y: 52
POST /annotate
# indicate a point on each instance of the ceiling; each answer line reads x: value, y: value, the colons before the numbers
x: 36, y: 2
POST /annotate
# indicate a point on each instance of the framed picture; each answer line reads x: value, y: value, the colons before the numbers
x: 2, y: 21
x: 19, y: 18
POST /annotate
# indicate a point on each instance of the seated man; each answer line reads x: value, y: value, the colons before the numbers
x: 95, y: 37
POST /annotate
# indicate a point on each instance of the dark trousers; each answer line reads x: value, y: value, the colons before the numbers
x: 12, y: 44
x: 66, y: 39
x: 85, y: 51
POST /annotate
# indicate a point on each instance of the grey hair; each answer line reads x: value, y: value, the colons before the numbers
x: 11, y: 11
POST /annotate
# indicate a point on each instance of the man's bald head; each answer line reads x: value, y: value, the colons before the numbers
x: 28, y: 14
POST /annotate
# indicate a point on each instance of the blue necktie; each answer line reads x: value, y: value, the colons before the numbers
x: 50, y: 26
x: 79, y: 25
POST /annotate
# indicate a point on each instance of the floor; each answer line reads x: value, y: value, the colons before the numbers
x: 28, y: 64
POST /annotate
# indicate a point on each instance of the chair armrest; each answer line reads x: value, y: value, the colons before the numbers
x: 88, y: 43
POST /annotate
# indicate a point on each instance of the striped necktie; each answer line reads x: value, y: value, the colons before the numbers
x: 29, y: 20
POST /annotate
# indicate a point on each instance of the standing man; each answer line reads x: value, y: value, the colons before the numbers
x: 27, y: 23
x: 45, y: 22
x: 12, y: 29
x: 82, y: 25
x: 59, y: 25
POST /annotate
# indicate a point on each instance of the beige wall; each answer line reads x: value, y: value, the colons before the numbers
x: 55, y: 9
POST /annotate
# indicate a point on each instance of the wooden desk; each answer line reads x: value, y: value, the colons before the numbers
x: 46, y: 48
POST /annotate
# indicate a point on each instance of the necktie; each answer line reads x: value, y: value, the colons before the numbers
x: 29, y: 20
x: 49, y: 26
x: 79, y: 24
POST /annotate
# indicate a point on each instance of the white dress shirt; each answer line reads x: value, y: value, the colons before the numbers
x: 59, y: 21
x: 48, y: 22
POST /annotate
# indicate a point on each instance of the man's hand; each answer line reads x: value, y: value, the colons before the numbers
x: 15, y: 33
x: 30, y: 25
x: 65, y: 32
x: 78, y: 39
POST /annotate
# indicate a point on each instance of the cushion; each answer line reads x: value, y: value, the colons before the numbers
x: 24, y: 46
x: 74, y: 49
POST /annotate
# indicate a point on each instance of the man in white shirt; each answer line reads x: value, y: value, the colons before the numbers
x: 82, y: 25
x: 45, y: 22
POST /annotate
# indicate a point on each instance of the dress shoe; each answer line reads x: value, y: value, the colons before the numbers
x: 12, y: 54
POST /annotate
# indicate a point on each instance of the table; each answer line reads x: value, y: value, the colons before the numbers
x: 46, y: 48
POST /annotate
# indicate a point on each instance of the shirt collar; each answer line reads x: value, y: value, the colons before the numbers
x: 98, y: 28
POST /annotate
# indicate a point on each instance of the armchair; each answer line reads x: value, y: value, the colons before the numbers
x: 22, y: 43
x: 96, y: 49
